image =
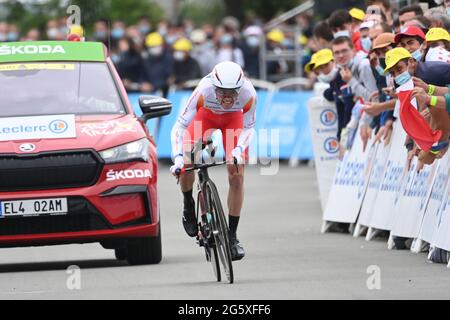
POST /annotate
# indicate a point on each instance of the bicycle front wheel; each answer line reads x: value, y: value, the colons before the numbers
x: 221, y: 232
x: 212, y: 255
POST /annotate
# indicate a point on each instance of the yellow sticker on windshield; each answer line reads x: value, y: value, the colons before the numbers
x: 36, y: 66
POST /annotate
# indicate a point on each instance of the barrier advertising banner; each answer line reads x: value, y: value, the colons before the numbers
x: 433, y: 212
x: 394, y: 174
x: 323, y: 119
x: 350, y: 183
x: 409, y: 212
x: 376, y: 178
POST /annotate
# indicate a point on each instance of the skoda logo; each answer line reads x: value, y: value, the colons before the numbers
x: 27, y: 147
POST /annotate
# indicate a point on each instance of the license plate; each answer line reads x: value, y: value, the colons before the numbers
x: 33, y: 207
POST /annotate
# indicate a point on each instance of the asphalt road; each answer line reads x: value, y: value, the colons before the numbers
x: 287, y: 257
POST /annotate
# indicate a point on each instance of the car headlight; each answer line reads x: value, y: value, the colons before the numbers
x: 133, y: 151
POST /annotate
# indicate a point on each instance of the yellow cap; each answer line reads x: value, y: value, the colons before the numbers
x: 394, y: 56
x: 77, y: 30
x: 303, y: 40
x: 318, y: 59
x: 183, y: 45
x: 276, y: 35
x: 436, y: 34
x: 357, y: 14
x: 154, y: 40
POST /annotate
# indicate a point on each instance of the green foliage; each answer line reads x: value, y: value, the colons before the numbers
x: 208, y: 12
x: 37, y: 14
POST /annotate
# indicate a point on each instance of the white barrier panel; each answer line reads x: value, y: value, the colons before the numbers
x: 376, y: 178
x: 433, y: 212
x: 323, y: 120
x: 413, y: 200
x: 442, y: 237
x: 394, y: 175
x: 350, y: 183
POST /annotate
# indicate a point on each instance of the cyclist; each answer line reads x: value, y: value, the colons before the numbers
x: 225, y: 100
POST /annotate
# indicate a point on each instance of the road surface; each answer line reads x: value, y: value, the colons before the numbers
x: 287, y: 257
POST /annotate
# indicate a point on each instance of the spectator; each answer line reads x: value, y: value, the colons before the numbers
x: 228, y: 51
x: 101, y: 32
x: 130, y: 64
x: 13, y: 33
x: 357, y: 18
x: 33, y: 35
x: 203, y: 51
x: 409, y: 13
x: 144, y: 25
x: 275, y: 45
x: 385, y: 6
x: 438, y: 37
x: 438, y: 18
x: 413, y: 40
x: 323, y: 35
x: 185, y: 67
x: 251, y: 49
x: 158, y: 66
x: 341, y: 24
x: 54, y: 31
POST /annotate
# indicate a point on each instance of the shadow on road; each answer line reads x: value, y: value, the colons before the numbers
x: 60, y: 265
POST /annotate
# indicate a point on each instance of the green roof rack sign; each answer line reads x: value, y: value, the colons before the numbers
x: 51, y: 51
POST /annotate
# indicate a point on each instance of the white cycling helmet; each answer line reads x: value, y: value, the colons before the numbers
x: 228, y: 75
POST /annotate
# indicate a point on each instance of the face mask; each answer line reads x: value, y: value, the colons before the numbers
x: 253, y: 42
x: 226, y: 39
x: 344, y: 33
x: 380, y: 70
x: 170, y: 40
x: 162, y: 31
x: 417, y: 55
x: 144, y: 29
x: 52, y: 33
x: 13, y: 36
x: 327, y: 78
x: 155, y: 51
x: 448, y: 11
x: 366, y: 44
x: 178, y: 55
x: 117, y: 33
x: 403, y: 78
x: 288, y: 43
x: 100, y: 35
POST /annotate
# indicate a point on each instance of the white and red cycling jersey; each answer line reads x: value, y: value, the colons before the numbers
x: 203, y: 114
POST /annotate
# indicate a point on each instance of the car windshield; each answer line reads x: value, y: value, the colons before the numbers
x: 32, y: 89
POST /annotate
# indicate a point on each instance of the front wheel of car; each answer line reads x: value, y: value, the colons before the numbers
x: 145, y: 250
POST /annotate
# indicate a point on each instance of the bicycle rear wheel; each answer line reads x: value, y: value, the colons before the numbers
x: 221, y: 232
x: 209, y: 245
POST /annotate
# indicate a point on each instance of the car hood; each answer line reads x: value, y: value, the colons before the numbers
x: 93, y: 132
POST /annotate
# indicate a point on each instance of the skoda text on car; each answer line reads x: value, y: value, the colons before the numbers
x: 76, y: 164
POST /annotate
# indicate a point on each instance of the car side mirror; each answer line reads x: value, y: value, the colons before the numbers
x: 154, y: 107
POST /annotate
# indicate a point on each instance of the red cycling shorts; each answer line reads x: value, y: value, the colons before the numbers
x: 206, y: 122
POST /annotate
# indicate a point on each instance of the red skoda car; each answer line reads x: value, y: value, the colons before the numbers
x: 76, y: 163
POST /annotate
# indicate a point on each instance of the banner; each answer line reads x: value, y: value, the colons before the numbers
x: 350, y: 183
x: 413, y: 200
x: 376, y: 178
x: 288, y: 114
x: 442, y: 237
x: 391, y: 184
x: 38, y: 127
x: 433, y: 212
x: 323, y: 119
